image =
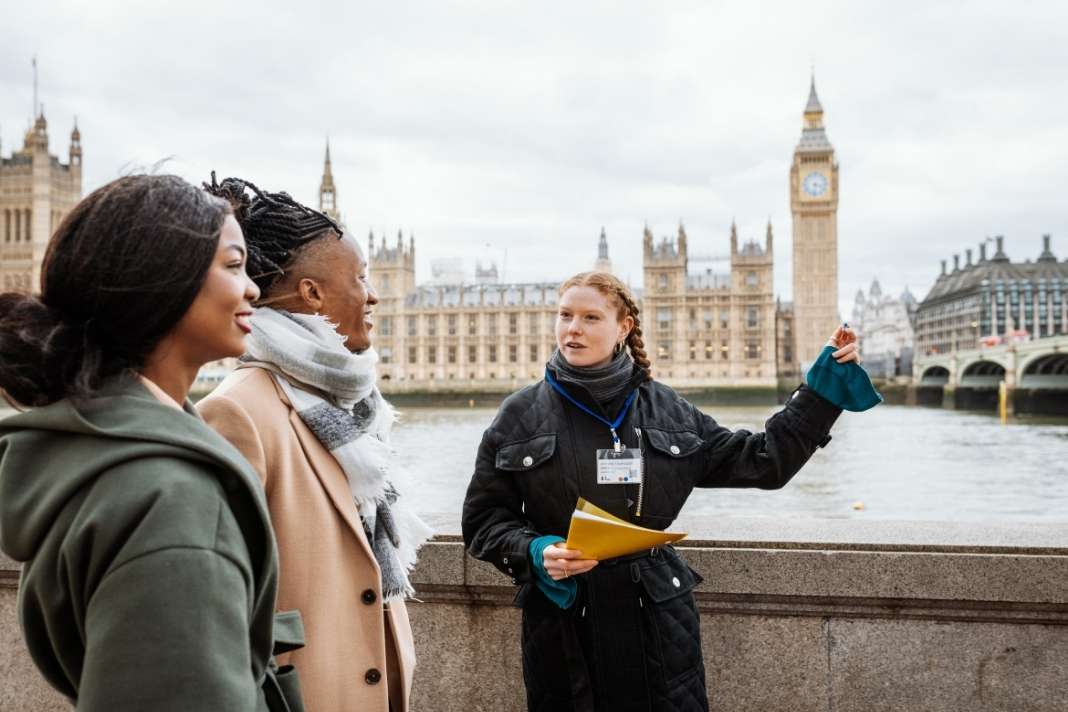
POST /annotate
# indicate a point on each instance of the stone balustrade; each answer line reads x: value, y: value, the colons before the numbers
x: 796, y: 615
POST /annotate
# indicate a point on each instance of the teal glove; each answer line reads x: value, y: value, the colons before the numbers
x: 845, y: 384
x: 562, y: 593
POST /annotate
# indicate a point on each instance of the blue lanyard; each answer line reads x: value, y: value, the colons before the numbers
x: 612, y: 424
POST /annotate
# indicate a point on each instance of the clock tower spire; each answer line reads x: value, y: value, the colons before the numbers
x: 814, y: 207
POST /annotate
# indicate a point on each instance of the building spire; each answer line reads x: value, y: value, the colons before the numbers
x: 813, y: 135
x: 75, y: 145
x: 603, y: 263
x: 813, y: 106
x: 327, y: 190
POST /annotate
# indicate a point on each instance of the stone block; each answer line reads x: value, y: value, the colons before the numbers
x: 469, y: 658
x: 772, y: 664
x: 883, y: 574
x: 21, y: 686
x: 873, y: 535
x: 440, y: 564
x: 480, y: 573
x: 880, y: 665
x: 949, y: 577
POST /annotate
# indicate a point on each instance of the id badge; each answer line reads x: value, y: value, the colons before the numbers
x: 619, y: 468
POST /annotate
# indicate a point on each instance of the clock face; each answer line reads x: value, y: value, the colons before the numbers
x: 815, y: 184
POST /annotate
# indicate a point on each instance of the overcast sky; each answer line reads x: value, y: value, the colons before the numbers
x: 515, y: 131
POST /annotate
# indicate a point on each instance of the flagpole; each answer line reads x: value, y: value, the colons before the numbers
x: 35, y: 87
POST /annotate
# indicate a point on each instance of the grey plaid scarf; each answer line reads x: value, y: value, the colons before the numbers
x: 605, y: 384
x: 334, y: 393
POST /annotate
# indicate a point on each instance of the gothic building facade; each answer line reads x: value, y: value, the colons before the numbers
x: 36, y: 192
x: 701, y: 330
x: 710, y: 329
x: 457, y: 336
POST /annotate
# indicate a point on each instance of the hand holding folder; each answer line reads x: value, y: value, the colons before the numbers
x: 600, y: 535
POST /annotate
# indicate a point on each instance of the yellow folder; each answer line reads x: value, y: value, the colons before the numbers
x: 599, y: 535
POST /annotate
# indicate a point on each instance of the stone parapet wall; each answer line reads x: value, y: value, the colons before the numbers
x: 795, y: 614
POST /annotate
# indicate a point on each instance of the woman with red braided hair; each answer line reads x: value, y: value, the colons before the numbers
x: 621, y: 634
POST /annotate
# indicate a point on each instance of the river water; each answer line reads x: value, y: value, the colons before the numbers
x: 892, y: 462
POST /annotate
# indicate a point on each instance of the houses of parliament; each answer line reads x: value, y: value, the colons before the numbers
x: 702, y: 329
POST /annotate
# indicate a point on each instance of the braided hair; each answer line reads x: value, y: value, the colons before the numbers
x: 610, y: 286
x: 276, y: 227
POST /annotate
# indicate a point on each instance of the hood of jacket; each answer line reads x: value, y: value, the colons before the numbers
x: 49, y: 454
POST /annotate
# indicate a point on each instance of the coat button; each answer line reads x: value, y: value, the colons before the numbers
x: 528, y: 461
x: 373, y: 677
x: 675, y: 581
x: 504, y: 560
x: 510, y: 570
x: 674, y: 449
x: 368, y: 597
x: 514, y: 582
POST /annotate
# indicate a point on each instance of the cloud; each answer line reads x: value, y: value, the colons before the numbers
x: 526, y: 127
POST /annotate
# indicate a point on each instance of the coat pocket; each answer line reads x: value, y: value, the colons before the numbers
x: 288, y: 632
x: 673, y: 459
x: 669, y: 612
x: 524, y: 455
x: 676, y: 444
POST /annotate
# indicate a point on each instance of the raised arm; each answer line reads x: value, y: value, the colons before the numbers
x: 766, y: 460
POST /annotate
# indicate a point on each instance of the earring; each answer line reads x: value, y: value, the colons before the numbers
x: 619, y: 348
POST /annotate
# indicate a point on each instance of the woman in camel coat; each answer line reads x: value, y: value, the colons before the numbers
x: 344, y: 557
x: 328, y: 569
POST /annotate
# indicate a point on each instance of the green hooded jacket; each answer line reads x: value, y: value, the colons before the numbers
x: 150, y: 569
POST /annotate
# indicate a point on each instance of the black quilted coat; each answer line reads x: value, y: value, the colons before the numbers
x: 632, y: 641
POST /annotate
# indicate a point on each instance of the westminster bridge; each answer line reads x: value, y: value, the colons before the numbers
x: 1033, y: 374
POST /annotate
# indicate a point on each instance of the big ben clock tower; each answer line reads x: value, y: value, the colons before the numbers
x: 814, y: 204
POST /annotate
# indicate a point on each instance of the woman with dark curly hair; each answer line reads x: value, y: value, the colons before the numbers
x: 149, y: 567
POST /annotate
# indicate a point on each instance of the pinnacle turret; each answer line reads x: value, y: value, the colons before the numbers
x: 327, y: 190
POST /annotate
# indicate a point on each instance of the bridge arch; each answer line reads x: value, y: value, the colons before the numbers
x: 982, y: 374
x: 1001, y: 359
x: 1045, y: 371
x: 934, y: 376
